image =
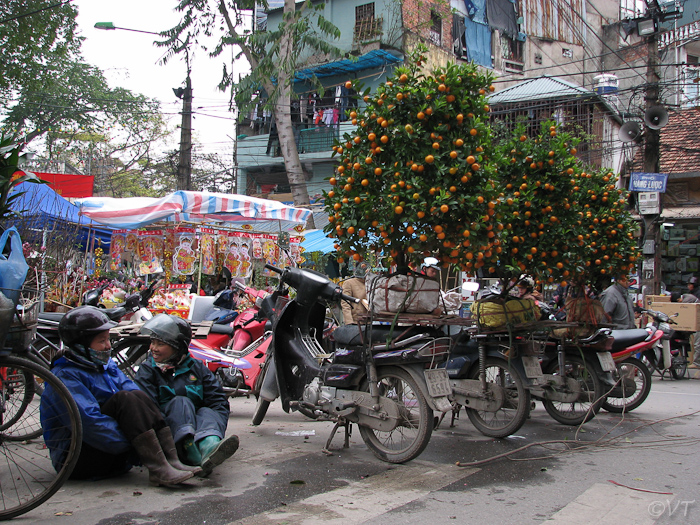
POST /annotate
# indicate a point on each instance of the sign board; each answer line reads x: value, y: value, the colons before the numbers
x: 640, y: 181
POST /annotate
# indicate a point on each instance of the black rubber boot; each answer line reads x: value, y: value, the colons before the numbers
x: 165, y: 437
x: 160, y: 472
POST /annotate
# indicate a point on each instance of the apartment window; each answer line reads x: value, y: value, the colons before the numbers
x: 435, y: 28
x: 692, y: 78
x: 366, y: 26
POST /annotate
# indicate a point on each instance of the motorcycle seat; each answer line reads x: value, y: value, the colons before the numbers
x: 54, y: 317
x: 352, y: 334
x: 624, y: 338
x: 115, y: 314
x: 221, y: 329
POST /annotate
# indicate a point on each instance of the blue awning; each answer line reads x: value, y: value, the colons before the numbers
x: 316, y: 241
x: 372, y: 60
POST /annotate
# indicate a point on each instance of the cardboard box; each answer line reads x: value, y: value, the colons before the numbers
x: 657, y: 299
x: 688, y: 318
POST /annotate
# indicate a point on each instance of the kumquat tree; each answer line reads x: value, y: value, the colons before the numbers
x: 422, y: 175
x: 415, y: 178
x: 564, y: 222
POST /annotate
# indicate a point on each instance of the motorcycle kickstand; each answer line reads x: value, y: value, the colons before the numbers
x: 348, y: 432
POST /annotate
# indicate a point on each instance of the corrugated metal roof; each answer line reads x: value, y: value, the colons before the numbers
x: 374, y: 59
x: 541, y: 88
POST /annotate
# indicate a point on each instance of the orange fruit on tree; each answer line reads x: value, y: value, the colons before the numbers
x: 429, y: 159
x: 473, y: 132
x: 444, y: 208
x: 403, y: 78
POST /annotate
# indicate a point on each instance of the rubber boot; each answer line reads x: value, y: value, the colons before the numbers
x: 165, y: 437
x: 215, y: 451
x: 192, y: 455
x: 160, y: 472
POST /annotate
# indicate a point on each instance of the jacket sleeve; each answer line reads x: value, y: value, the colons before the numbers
x: 347, y: 309
x: 146, y: 381
x: 214, y: 396
x: 120, y: 379
x: 99, y: 431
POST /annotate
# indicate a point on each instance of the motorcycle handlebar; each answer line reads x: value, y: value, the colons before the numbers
x: 274, y: 268
x: 349, y: 298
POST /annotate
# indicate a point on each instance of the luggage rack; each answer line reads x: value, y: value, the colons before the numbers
x: 416, y: 319
x: 200, y: 330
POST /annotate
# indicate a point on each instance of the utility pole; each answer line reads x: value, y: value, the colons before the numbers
x: 652, y: 140
x: 184, y: 165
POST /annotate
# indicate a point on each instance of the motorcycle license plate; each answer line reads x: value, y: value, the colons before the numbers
x: 606, y: 361
x: 438, y: 382
x: 533, y: 370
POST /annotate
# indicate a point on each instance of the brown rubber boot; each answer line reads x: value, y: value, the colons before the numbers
x: 165, y: 437
x: 160, y: 472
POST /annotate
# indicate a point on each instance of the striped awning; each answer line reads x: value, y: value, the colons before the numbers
x: 187, y: 206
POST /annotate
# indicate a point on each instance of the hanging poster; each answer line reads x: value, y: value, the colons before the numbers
x: 245, y: 268
x: 184, y: 255
x: 132, y: 243
x: 208, y: 247
x: 231, y: 260
x: 116, y: 249
x: 150, y: 250
x: 257, y: 248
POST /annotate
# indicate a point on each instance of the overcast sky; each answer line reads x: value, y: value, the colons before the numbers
x: 130, y: 60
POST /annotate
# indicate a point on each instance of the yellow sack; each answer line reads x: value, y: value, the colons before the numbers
x: 496, y: 313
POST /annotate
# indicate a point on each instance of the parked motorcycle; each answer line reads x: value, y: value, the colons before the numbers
x: 378, y: 378
x: 632, y: 377
x: 235, y: 352
x: 135, y: 309
x: 671, y: 353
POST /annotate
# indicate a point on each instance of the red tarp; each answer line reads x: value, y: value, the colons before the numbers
x: 74, y: 186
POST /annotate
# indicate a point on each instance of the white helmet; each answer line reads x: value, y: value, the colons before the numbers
x: 528, y: 282
x: 430, y: 262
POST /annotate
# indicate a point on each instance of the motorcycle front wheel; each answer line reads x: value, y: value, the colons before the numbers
x: 412, y: 434
x: 631, y: 369
x: 679, y: 363
x: 590, y: 395
x: 516, y: 407
x: 261, y: 405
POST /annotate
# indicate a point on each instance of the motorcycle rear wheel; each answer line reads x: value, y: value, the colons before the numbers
x: 636, y: 370
x: 508, y: 419
x: 590, y: 399
x: 412, y: 434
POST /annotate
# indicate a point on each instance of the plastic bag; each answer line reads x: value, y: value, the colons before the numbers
x: 13, y: 267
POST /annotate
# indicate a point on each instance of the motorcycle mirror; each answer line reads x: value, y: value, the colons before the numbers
x: 132, y: 302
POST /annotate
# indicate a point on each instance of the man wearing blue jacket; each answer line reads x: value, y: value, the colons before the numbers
x: 121, y: 424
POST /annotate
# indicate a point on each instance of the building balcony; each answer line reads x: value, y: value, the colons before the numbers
x: 315, y: 143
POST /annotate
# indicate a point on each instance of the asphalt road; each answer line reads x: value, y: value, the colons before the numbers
x: 640, y: 468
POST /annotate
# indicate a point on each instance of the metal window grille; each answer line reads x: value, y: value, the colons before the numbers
x: 435, y: 29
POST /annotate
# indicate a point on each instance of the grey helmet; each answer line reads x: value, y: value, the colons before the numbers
x: 171, y: 330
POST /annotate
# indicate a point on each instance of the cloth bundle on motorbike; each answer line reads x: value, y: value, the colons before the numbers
x: 414, y: 294
x: 589, y: 312
x: 497, y: 313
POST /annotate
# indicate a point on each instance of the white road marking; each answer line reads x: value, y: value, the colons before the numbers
x: 608, y: 504
x: 368, y: 499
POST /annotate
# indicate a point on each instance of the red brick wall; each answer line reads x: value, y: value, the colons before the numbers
x: 416, y: 20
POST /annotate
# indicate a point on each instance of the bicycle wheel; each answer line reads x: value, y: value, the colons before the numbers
x: 27, y: 475
x: 516, y: 406
x: 129, y: 356
x: 633, y: 388
x: 20, y: 414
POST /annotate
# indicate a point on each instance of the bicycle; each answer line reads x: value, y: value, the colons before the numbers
x: 29, y: 472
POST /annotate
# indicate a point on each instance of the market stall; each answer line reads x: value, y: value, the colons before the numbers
x: 187, y: 235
